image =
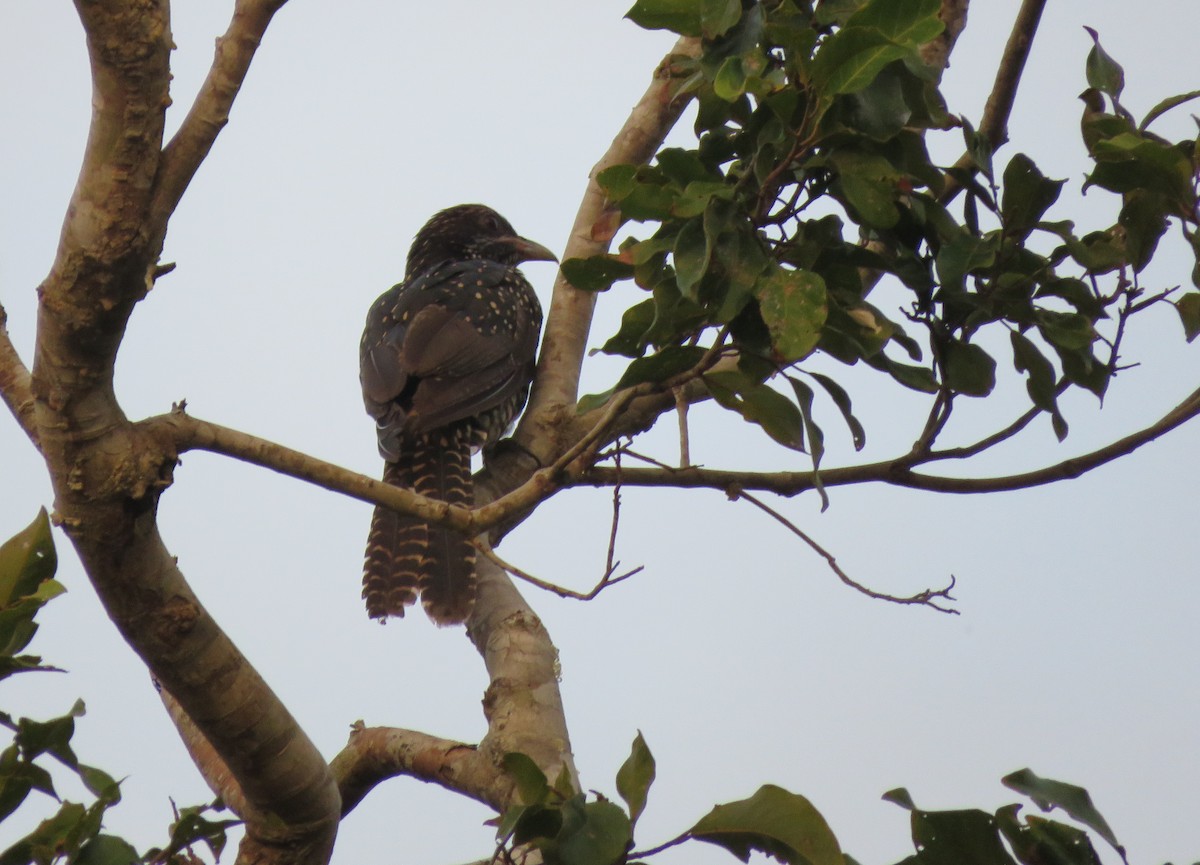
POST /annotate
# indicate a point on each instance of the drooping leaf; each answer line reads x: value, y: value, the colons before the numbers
x: 635, y: 777
x: 842, y: 400
x: 760, y: 404
x: 1049, y: 794
x: 774, y: 821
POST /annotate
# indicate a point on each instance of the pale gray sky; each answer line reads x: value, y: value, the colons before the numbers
x: 737, y: 654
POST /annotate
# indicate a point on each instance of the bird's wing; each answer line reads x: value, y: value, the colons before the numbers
x: 435, y: 346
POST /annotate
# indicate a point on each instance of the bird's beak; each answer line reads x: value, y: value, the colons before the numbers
x: 527, y: 250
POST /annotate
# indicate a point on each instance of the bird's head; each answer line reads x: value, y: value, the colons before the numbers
x: 471, y: 231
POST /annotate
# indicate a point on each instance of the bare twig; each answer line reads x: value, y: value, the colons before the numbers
x: 562, y: 591
x: 681, y: 410
x: 926, y: 598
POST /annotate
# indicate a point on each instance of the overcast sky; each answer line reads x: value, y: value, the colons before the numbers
x: 736, y: 653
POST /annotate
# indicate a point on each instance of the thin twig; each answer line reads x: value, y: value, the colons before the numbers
x: 926, y: 598
x: 562, y: 591
x: 681, y: 410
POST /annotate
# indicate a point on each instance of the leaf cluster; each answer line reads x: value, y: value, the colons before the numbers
x: 74, y: 833
x: 568, y: 828
x: 810, y: 180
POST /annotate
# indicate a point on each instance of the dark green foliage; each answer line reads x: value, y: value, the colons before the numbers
x: 810, y: 179
x: 570, y: 828
x: 73, y: 833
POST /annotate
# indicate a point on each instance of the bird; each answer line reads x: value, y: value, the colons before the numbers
x: 446, y: 361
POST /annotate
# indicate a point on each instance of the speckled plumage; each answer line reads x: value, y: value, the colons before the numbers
x: 445, y: 364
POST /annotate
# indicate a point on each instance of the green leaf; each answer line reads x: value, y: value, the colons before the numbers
x: 957, y: 837
x: 778, y: 823
x: 968, y: 369
x: 691, y: 255
x: 816, y: 437
x: 107, y: 850
x: 532, y: 786
x: 618, y: 181
x: 1103, y: 73
x: 671, y: 361
x: 1166, y: 105
x: 707, y: 18
x: 596, y: 273
x: 842, y: 400
x: 900, y: 796
x: 1066, y: 330
x: 26, y: 560
x: 850, y: 59
x: 794, y: 307
x: 635, y: 777
x: 1188, y: 308
x: 1027, y: 195
x: 916, y: 377
x: 630, y: 339
x: 869, y: 183
x: 1048, y: 794
x: 1045, y: 842
x: 760, y: 404
x: 1144, y: 219
x: 1041, y: 384
x: 965, y: 254
x: 602, y: 839
x: 730, y: 80
x: 909, y: 22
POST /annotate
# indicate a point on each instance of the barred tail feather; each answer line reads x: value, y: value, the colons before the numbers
x: 441, y: 469
x: 393, y: 563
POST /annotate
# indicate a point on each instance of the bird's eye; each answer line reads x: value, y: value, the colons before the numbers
x: 492, y: 223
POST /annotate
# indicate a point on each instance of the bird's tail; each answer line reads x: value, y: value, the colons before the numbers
x: 406, y: 556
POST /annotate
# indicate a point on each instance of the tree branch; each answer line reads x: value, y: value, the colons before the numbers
x: 209, y: 113
x: 108, y: 474
x: 998, y: 108
x: 375, y: 754
x: 897, y: 472
x: 564, y: 342
x: 15, y: 383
